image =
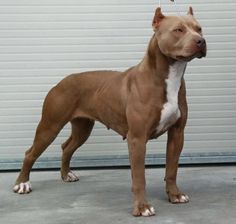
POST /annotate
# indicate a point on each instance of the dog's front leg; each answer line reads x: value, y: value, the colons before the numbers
x: 137, y: 151
x: 174, y: 148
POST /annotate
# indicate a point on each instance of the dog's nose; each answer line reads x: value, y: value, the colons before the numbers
x: 201, y: 43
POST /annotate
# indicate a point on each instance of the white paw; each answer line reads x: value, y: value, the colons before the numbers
x: 181, y: 199
x: 184, y: 199
x: 23, y: 188
x: 149, y: 212
x: 71, y: 177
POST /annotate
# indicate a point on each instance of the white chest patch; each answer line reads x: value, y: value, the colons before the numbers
x: 170, y: 112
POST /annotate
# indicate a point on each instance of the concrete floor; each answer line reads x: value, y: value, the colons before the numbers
x: 103, y: 197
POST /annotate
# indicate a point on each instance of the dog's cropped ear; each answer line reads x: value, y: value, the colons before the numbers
x: 157, y: 19
x: 190, y: 11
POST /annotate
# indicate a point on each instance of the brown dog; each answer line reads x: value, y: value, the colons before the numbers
x: 139, y: 104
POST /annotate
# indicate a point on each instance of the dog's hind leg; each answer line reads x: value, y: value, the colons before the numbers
x: 45, y: 135
x: 55, y: 115
x: 81, y: 129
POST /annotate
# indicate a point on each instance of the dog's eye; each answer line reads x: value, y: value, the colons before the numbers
x: 199, y: 29
x: 179, y: 30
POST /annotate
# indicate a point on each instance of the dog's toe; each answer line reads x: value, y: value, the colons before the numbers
x: 184, y: 199
x: 143, y: 209
x: 71, y: 177
x: 23, y: 188
x: 148, y: 212
x: 177, y: 199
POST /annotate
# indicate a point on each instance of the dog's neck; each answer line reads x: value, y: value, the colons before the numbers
x: 155, y: 60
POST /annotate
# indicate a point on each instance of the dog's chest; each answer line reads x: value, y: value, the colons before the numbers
x: 170, y: 112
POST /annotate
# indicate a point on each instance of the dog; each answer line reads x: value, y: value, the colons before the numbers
x: 140, y: 104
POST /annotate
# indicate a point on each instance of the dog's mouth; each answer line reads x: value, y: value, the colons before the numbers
x: 194, y: 51
x: 198, y: 54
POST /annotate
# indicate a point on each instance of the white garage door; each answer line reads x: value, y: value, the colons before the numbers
x: 43, y: 41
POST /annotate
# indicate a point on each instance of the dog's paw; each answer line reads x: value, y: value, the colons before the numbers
x: 23, y: 188
x: 178, y: 199
x: 70, y: 177
x: 143, y: 209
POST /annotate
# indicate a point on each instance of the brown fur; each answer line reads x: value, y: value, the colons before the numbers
x: 128, y: 102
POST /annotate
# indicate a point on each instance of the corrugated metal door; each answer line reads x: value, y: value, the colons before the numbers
x: 43, y: 41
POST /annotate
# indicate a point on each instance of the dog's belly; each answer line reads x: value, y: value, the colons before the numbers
x: 114, y: 119
x: 110, y: 117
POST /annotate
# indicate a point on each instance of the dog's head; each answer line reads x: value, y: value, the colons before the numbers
x: 179, y: 37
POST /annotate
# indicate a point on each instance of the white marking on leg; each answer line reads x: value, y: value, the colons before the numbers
x: 176, y: 200
x: 27, y: 187
x: 187, y: 197
x: 184, y: 198
x: 22, y: 188
x: 149, y: 212
x: 152, y: 210
x: 170, y: 112
x: 16, y: 188
x: 72, y: 177
x: 146, y: 213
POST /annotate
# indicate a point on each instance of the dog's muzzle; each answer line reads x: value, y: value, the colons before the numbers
x: 201, y: 44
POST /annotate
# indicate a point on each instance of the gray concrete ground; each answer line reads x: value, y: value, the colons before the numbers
x: 104, y: 197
